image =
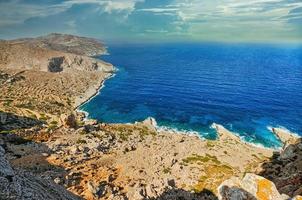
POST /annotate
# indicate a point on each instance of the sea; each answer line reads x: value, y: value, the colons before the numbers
x: 186, y: 87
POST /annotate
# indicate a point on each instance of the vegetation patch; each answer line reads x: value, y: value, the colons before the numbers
x: 167, y: 170
x: 213, y: 172
x: 203, y: 159
x: 80, y: 141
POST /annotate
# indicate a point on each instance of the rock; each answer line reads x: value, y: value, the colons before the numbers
x: 16, y: 184
x: 151, y: 123
x: 2, y: 151
x: 69, y: 121
x: 98, y: 190
x: 55, y: 64
x: 298, y: 197
x: 92, y: 188
x: 288, y: 152
x: 74, y: 150
x: 89, y: 128
x: 285, y: 169
x: 57, y: 180
x: 171, y: 183
x: 91, y: 122
x: 45, y: 154
x: 285, y: 135
x: 252, y: 187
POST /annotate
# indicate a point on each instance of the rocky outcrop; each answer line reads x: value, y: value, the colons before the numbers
x: 285, y: 136
x: 17, y: 185
x: 68, y: 120
x: 55, y: 64
x: 251, y: 187
x: 9, y: 121
x: 285, y: 169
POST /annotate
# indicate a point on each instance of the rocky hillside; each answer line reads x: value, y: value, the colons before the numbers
x: 51, y: 55
x: 285, y: 168
x: 66, y: 43
x: 48, y: 150
x: 43, y: 77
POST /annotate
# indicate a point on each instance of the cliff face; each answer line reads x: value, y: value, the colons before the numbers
x: 285, y: 169
x: 28, y: 57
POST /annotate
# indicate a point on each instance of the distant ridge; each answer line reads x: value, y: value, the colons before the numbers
x: 66, y: 43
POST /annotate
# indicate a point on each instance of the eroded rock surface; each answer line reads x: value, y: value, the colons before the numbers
x: 18, y: 184
x: 251, y: 187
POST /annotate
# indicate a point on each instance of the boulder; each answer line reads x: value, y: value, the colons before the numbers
x: 151, y: 123
x: 298, y: 197
x: 68, y: 120
x: 251, y: 187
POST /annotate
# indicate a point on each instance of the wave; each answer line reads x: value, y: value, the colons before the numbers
x: 168, y: 129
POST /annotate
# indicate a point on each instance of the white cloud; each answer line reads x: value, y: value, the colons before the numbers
x: 14, y: 12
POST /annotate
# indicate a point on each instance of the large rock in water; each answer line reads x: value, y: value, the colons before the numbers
x: 251, y: 187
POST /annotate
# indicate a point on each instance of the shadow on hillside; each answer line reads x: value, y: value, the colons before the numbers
x: 9, y: 122
x: 24, y: 168
x: 180, y: 194
x: 285, y: 169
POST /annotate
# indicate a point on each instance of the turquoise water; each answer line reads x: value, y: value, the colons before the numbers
x: 245, y: 88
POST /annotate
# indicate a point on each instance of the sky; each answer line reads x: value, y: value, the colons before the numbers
x: 155, y: 20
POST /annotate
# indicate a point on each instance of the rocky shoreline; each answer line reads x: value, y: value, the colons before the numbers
x: 48, y: 150
x: 91, y: 92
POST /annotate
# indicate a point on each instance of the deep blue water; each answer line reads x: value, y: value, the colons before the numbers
x: 246, y: 88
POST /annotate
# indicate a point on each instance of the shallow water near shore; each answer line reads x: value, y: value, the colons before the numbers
x: 187, y: 87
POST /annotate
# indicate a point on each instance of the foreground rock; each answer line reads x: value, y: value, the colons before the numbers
x: 285, y: 169
x: 17, y: 184
x: 250, y: 187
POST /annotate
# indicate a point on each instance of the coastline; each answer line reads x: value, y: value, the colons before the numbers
x: 95, y: 90
x: 90, y: 93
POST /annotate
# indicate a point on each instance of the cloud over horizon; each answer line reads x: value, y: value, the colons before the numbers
x: 168, y: 20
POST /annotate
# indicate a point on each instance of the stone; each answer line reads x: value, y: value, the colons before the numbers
x: 251, y: 187
x: 57, y: 180
x: 288, y: 152
x: 150, y: 192
x: 151, y: 123
x: 92, y: 188
x: 298, y: 197
x: 2, y: 151
x: 68, y: 121
x: 74, y: 150
x: 45, y: 154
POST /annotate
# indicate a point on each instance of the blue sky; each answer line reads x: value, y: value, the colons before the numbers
x: 156, y: 20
